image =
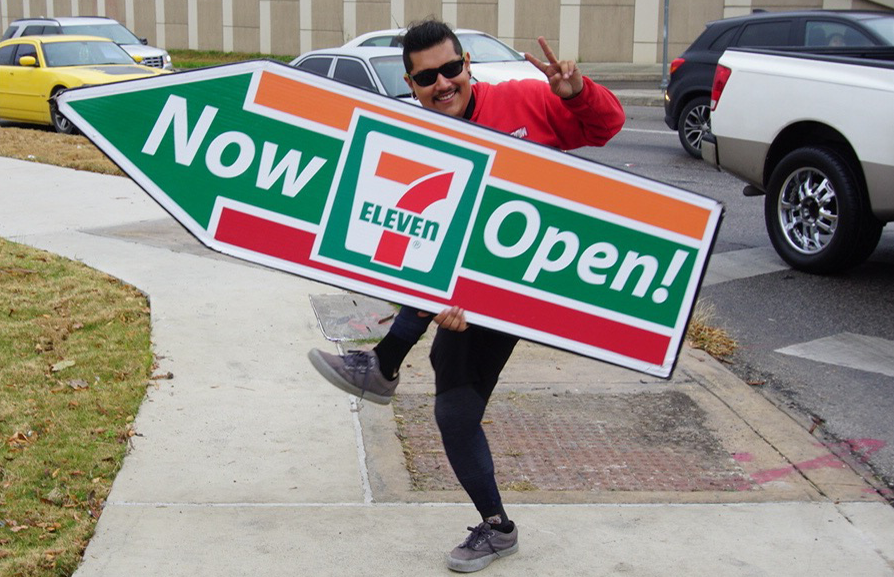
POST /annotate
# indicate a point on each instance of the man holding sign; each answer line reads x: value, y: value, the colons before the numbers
x: 570, y: 112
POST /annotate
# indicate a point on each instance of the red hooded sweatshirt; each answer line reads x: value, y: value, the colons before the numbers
x: 528, y: 109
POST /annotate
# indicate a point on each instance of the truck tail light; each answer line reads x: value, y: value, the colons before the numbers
x: 721, y: 75
x: 676, y: 63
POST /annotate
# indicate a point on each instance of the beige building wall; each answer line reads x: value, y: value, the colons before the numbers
x: 584, y: 30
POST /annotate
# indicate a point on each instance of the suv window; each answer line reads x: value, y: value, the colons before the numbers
x: 765, y: 34
x: 318, y: 65
x: 825, y: 33
x: 9, y: 32
x: 353, y: 73
x: 722, y: 42
x: 113, y: 31
x: 40, y: 30
x: 6, y: 55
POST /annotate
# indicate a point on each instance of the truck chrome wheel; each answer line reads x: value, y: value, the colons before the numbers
x: 817, y: 214
x: 808, y: 210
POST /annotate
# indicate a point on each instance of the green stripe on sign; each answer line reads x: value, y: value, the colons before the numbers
x: 191, y: 141
x: 579, y: 257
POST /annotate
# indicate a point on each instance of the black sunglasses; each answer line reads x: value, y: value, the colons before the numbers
x: 430, y: 76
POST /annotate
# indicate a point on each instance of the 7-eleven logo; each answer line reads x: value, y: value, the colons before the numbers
x: 426, y: 186
x: 405, y: 199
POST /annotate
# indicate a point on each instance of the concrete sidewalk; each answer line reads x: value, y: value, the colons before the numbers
x: 247, y: 462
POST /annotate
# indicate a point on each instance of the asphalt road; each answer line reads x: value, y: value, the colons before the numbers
x: 821, y: 347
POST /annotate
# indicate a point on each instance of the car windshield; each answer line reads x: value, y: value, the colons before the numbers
x: 84, y: 53
x: 881, y: 25
x: 390, y: 70
x: 483, y: 48
x: 114, y: 32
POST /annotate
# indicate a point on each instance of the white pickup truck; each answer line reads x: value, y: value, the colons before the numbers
x: 815, y: 135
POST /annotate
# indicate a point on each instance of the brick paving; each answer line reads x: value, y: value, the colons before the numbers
x: 580, y: 442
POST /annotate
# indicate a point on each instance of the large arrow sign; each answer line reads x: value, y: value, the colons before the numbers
x: 287, y: 169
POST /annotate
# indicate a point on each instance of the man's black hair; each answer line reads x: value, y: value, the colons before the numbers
x: 424, y: 34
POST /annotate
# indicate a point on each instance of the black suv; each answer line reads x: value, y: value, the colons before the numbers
x: 687, y: 102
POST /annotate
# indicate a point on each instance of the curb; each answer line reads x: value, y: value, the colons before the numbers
x: 640, y: 97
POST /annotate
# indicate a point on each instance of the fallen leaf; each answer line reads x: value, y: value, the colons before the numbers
x: 62, y: 365
x: 19, y: 439
x: 54, y: 497
x: 78, y: 384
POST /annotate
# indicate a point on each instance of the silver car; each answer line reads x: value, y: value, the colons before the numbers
x: 92, y: 26
x: 376, y: 69
x: 492, y: 60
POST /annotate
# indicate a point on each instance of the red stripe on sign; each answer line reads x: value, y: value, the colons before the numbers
x: 562, y: 321
x: 289, y: 244
x: 294, y: 245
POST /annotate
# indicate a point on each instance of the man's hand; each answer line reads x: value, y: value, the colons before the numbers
x: 564, y: 76
x: 453, y: 319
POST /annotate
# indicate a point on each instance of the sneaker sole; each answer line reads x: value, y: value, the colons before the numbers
x: 472, y: 565
x: 331, y: 375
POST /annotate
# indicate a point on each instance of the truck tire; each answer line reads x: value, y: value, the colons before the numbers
x: 60, y: 123
x: 694, y: 123
x: 817, y: 215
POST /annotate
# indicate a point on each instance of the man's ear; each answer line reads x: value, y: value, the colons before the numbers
x: 409, y: 82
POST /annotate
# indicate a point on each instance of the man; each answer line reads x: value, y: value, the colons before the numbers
x: 569, y: 112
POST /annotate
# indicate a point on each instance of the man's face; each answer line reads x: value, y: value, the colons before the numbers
x: 447, y: 95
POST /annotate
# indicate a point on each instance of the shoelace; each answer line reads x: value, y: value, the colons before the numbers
x: 480, y: 534
x: 357, y: 361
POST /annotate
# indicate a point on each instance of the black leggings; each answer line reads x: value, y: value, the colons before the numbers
x: 467, y: 366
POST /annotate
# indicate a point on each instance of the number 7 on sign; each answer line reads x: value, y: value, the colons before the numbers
x: 404, y: 222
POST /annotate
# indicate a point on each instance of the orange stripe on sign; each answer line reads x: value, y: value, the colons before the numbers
x: 602, y: 193
x: 402, y: 170
x: 305, y: 101
x: 335, y: 110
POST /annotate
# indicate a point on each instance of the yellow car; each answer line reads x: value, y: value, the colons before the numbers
x: 34, y: 69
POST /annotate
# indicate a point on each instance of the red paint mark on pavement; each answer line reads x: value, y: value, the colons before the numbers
x: 743, y: 457
x: 861, y: 447
x: 825, y: 462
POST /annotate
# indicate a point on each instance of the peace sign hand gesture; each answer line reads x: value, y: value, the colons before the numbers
x: 564, y: 76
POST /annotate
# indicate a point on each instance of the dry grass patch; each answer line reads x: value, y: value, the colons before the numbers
x: 703, y: 333
x: 75, y: 358
x: 46, y: 147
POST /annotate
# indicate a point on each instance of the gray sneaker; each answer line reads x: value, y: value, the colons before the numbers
x: 357, y: 373
x: 481, y: 548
